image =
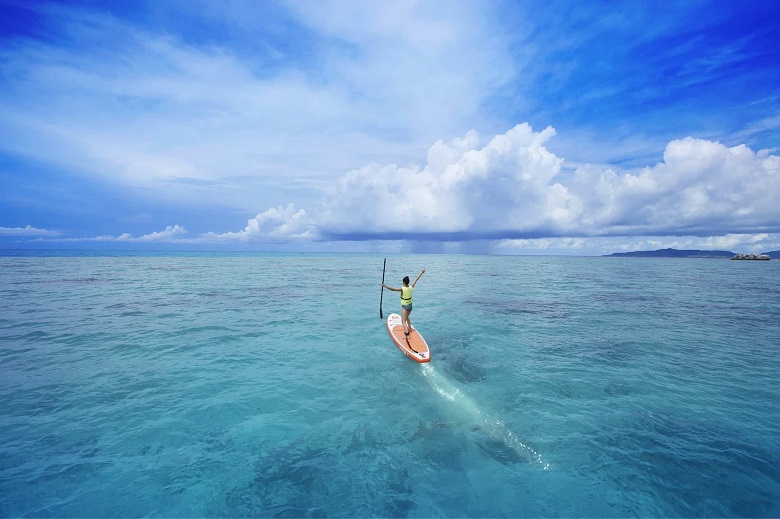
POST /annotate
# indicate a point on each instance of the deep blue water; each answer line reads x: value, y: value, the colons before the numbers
x: 235, y: 385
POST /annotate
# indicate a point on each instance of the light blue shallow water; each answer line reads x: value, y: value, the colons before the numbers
x: 266, y: 385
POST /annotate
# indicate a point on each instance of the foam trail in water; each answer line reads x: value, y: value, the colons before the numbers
x: 495, y: 428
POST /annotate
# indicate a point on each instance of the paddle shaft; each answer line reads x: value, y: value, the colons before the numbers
x: 382, y: 291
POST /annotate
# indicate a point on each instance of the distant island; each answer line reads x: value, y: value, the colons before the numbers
x: 675, y: 253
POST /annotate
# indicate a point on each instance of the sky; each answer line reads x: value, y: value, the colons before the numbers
x: 484, y: 126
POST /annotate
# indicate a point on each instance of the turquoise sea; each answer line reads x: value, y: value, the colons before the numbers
x: 265, y: 385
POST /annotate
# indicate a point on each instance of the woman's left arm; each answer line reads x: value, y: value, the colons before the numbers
x: 418, y: 277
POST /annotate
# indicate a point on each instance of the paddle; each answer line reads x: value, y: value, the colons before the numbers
x: 382, y: 291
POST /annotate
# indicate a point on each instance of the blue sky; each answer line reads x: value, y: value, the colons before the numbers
x: 529, y: 127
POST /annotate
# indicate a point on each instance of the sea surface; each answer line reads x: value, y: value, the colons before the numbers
x: 265, y: 385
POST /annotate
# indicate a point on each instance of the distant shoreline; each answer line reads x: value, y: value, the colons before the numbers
x: 699, y: 254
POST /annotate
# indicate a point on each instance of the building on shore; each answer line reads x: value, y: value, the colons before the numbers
x: 739, y: 256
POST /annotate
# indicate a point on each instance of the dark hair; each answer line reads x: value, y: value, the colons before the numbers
x: 406, y: 280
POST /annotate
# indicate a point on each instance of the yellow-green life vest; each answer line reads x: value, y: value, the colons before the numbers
x: 406, y: 295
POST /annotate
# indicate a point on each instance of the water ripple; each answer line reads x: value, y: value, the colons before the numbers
x: 263, y: 385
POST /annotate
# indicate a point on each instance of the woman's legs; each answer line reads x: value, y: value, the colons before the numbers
x: 405, y: 320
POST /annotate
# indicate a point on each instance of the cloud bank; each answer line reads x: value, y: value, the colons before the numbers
x: 275, y: 224
x: 172, y: 233
x: 26, y: 231
x: 513, y: 191
x: 514, y: 187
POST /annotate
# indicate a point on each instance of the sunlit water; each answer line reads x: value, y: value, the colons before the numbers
x: 266, y: 385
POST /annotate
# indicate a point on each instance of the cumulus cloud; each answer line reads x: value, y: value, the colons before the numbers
x: 701, y: 187
x: 514, y: 191
x: 169, y: 234
x: 504, y: 187
x: 514, y: 187
x: 26, y: 231
x: 276, y: 224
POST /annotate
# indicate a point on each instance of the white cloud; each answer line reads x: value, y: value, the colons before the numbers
x: 276, y: 224
x: 702, y: 186
x: 127, y: 104
x: 746, y: 243
x: 514, y: 187
x: 573, y: 244
x: 425, y: 62
x: 26, y: 231
x: 742, y: 242
x: 506, y: 186
x: 171, y: 233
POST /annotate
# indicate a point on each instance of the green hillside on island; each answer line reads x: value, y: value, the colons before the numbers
x: 674, y: 253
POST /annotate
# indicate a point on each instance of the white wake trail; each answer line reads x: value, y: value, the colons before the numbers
x: 494, y: 427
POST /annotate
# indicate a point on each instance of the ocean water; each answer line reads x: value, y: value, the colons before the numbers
x: 265, y: 385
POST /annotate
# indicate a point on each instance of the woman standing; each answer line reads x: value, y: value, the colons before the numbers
x: 406, y: 300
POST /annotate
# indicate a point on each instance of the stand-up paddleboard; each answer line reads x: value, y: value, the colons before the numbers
x: 413, y: 346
